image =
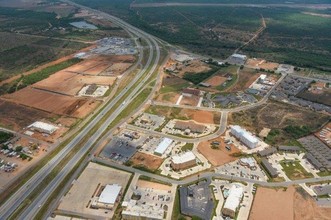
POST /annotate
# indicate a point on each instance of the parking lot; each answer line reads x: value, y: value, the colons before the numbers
x: 119, y: 149
x: 149, y: 121
x: 196, y: 199
x: 235, y: 169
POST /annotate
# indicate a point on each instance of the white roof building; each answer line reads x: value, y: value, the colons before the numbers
x: 43, y: 127
x: 110, y: 194
x: 183, y: 158
x: 163, y: 146
x: 263, y: 76
x: 239, y: 56
x: 234, y: 198
x: 244, y: 136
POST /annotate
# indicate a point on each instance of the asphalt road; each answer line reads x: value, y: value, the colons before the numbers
x: 21, y: 194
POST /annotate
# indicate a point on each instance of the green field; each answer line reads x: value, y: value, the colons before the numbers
x: 294, y: 170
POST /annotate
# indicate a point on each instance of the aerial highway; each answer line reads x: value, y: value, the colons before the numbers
x: 23, y: 192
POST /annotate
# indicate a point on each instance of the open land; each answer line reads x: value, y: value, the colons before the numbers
x: 245, y: 79
x: 186, y: 114
x: 16, y: 116
x: 53, y: 103
x: 92, y: 178
x: 279, y: 117
x: 146, y: 160
x: 216, y: 80
x: 217, y: 157
x: 273, y: 204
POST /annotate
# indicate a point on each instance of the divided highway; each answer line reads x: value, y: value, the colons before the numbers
x: 14, y: 202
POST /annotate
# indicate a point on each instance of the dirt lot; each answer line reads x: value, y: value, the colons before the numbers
x: 216, y: 80
x: 186, y: 114
x: 148, y: 184
x: 53, y: 103
x: 16, y: 116
x: 246, y: 78
x: 277, y: 115
x: 149, y: 161
x: 194, y: 66
x: 217, y: 157
x: 305, y: 208
x: 260, y: 63
x: 65, y: 121
x: 92, y: 178
x: 292, y: 204
x: 191, y: 101
x: 103, y: 65
x: 273, y: 204
x: 70, y: 83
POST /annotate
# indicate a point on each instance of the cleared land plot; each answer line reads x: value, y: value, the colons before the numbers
x: 191, y: 101
x: 69, y: 83
x: 263, y: 64
x: 77, y: 201
x: 186, y: 114
x: 246, y: 78
x: 277, y: 116
x: 170, y: 97
x: 53, y: 103
x: 273, y: 204
x: 104, y: 65
x: 217, y: 157
x: 153, y: 185
x: 294, y: 170
x: 216, y: 80
x: 305, y: 208
x: 173, y: 84
x: 16, y: 116
x: 146, y: 160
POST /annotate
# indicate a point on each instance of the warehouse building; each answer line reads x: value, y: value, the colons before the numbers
x: 163, y: 146
x: 269, y: 168
x: 244, y: 136
x: 183, y: 161
x: 292, y: 149
x: 232, y: 202
x: 43, y: 127
x: 108, y: 197
x: 189, y: 127
x: 267, y: 152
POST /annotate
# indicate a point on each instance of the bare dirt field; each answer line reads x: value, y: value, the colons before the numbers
x: 217, y: 157
x: 194, y: 66
x: 66, y: 121
x: 169, y: 80
x: 70, y: 83
x: 153, y: 185
x: 191, y: 101
x: 202, y: 116
x: 261, y: 63
x: 246, y: 78
x: 273, y: 204
x: 216, y: 80
x: 149, y: 161
x: 186, y: 114
x: 90, y: 182
x: 16, y: 116
x: 53, y: 103
x: 305, y: 208
x: 103, y: 65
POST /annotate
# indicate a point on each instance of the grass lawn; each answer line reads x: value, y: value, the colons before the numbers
x: 173, y: 88
x: 294, y: 170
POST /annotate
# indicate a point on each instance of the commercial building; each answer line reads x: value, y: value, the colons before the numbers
x: 183, y: 161
x: 248, y: 162
x: 233, y: 200
x: 108, y: 197
x: 322, y: 190
x: 244, y: 136
x: 189, y: 127
x: 269, y: 168
x: 267, y: 152
x: 163, y: 146
x: 43, y: 127
x: 291, y: 149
